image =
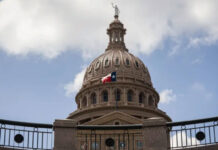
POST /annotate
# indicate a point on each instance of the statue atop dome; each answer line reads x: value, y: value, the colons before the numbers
x: 116, y: 32
x: 117, y: 11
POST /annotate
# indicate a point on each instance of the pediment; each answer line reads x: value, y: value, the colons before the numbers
x: 116, y: 116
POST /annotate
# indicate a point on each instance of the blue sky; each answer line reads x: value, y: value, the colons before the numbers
x: 44, y: 46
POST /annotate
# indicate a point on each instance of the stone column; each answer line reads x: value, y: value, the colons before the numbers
x: 65, y: 135
x: 88, y: 97
x: 80, y: 101
x: 111, y: 95
x: 146, y: 99
x: 155, y: 134
x: 136, y: 96
x: 124, y: 96
x: 98, y: 96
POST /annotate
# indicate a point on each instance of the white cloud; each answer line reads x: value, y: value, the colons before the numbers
x: 49, y: 27
x: 76, y: 84
x: 181, y: 139
x: 197, y: 61
x: 167, y: 96
x: 200, y: 89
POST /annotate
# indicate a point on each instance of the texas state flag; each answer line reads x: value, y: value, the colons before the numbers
x: 109, y: 78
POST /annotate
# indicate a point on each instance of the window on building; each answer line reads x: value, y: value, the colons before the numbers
x: 122, y: 144
x: 117, y: 95
x: 141, y: 98
x: 93, y: 98
x: 139, y: 145
x: 137, y: 64
x: 105, y: 96
x: 95, y: 145
x: 117, y: 123
x: 106, y: 62
x: 129, y: 95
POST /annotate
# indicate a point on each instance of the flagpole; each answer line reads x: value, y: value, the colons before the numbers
x: 116, y: 89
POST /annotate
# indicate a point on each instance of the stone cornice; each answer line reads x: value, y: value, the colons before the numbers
x: 137, y: 108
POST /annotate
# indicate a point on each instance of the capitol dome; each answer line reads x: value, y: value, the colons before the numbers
x: 127, y: 66
x: 132, y: 93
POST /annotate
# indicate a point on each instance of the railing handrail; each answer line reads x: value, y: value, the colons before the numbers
x: 188, y: 122
x: 26, y: 124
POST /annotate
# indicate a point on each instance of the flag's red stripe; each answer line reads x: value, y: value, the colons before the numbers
x: 106, y: 79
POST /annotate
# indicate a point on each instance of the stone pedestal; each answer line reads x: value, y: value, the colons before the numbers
x: 155, y: 134
x: 65, y: 135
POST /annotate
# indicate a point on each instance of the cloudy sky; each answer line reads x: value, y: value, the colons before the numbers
x: 46, y: 45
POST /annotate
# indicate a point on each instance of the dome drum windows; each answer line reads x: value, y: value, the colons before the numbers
x: 105, y: 96
x: 130, y: 96
x: 93, y: 98
x: 117, y: 95
x: 141, y: 98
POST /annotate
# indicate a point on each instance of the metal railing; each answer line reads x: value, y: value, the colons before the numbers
x: 193, y: 133
x: 24, y: 135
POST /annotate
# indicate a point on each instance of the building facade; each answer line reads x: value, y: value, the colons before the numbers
x: 128, y: 101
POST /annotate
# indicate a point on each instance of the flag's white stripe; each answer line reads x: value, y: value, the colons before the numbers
x: 103, y: 78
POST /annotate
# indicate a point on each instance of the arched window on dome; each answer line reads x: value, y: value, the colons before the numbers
x: 106, y: 62
x: 150, y: 101
x: 127, y: 61
x: 117, y: 94
x: 105, y: 96
x: 141, y: 98
x: 97, y: 65
x: 93, y: 98
x: 137, y: 64
x: 130, y: 95
x: 84, y: 102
